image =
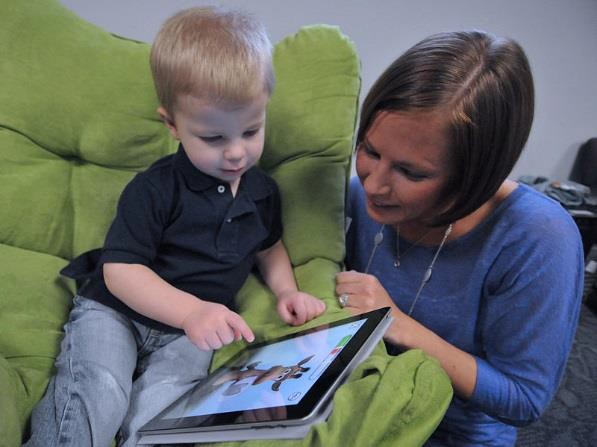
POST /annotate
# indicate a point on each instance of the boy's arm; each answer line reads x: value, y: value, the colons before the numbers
x: 276, y: 269
x: 208, y: 325
x: 293, y: 306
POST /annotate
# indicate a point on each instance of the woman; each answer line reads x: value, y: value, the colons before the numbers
x: 482, y: 273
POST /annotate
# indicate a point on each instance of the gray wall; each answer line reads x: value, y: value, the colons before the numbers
x: 560, y: 38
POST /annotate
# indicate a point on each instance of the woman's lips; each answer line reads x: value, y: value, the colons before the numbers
x: 377, y: 204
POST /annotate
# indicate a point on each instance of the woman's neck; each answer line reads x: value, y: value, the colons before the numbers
x: 432, y: 236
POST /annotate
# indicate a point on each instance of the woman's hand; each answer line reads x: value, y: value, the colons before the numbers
x: 363, y: 292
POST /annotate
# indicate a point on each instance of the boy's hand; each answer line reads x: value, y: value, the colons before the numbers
x: 213, y: 325
x: 297, y: 308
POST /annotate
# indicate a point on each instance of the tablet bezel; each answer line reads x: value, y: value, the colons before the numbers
x: 309, y: 405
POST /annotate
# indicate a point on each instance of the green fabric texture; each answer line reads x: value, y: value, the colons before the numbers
x: 387, y: 402
x: 78, y: 119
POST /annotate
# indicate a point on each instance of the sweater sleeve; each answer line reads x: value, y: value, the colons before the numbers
x: 528, y: 319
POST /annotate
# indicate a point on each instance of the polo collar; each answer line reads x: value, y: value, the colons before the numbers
x: 253, y: 182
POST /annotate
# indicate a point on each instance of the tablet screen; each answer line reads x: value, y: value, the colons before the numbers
x: 275, y: 380
x: 271, y: 376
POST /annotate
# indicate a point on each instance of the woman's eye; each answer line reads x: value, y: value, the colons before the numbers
x: 369, y: 151
x: 412, y: 175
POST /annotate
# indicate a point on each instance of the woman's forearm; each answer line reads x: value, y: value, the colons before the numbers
x: 460, y: 366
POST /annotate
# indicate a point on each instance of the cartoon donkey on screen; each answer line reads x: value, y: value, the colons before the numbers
x: 240, y: 378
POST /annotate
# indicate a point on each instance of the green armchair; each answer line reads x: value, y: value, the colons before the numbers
x: 78, y: 119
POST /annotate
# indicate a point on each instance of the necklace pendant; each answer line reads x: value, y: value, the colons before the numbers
x: 396, y: 263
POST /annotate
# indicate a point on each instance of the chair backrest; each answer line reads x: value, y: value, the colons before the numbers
x: 78, y: 119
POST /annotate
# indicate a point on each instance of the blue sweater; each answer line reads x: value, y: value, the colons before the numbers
x: 508, y: 292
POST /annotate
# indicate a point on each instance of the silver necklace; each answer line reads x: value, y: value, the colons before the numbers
x: 400, y: 255
x: 378, y: 239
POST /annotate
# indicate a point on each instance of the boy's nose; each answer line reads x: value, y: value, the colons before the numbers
x: 234, y: 152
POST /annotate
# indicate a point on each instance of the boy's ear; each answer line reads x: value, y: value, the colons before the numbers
x: 168, y: 121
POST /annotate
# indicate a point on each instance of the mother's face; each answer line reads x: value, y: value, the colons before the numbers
x: 404, y: 166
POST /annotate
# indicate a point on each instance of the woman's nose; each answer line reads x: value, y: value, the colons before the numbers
x: 377, y: 181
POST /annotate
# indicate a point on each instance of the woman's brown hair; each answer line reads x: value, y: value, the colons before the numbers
x: 484, y: 84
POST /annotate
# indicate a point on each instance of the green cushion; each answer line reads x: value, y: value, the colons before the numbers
x: 33, y: 307
x: 78, y: 119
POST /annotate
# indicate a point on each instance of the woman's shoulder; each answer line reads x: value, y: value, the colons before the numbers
x: 530, y: 208
x: 531, y: 222
x: 525, y: 221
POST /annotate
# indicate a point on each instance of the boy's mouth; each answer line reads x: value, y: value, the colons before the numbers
x: 233, y: 171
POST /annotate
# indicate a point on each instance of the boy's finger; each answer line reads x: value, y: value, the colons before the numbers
x: 317, y: 310
x: 213, y: 341
x: 201, y: 344
x: 227, y: 335
x: 322, y: 307
x: 285, y: 314
x: 301, y: 313
x: 238, y: 324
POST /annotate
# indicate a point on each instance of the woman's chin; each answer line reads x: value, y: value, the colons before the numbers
x: 384, y: 215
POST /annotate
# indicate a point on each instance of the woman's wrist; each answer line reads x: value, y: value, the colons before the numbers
x: 403, y: 331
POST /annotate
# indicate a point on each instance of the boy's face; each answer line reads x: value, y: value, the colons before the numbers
x: 221, y: 140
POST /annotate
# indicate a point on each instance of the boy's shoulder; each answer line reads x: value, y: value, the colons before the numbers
x: 157, y: 182
x: 158, y: 172
x: 162, y: 164
x: 259, y: 183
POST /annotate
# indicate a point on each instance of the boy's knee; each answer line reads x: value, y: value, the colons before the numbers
x: 84, y: 401
x: 108, y: 389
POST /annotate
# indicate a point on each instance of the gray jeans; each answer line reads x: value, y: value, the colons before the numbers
x: 112, y: 376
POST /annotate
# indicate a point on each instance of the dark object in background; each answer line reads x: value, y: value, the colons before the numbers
x: 570, y: 194
x: 584, y: 169
x: 591, y: 299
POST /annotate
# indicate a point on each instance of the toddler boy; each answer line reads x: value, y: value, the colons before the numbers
x: 159, y: 296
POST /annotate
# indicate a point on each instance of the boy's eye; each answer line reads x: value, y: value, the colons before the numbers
x: 250, y: 133
x: 213, y: 139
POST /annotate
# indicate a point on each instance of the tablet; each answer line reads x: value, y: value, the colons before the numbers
x: 272, y: 389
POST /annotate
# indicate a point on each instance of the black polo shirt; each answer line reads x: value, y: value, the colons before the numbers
x: 189, y: 229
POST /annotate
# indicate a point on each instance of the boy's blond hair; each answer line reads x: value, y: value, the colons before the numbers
x: 213, y: 54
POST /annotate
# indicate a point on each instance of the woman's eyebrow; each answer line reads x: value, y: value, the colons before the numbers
x: 400, y: 163
x: 368, y: 144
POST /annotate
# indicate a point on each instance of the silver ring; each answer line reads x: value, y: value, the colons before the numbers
x: 343, y: 299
